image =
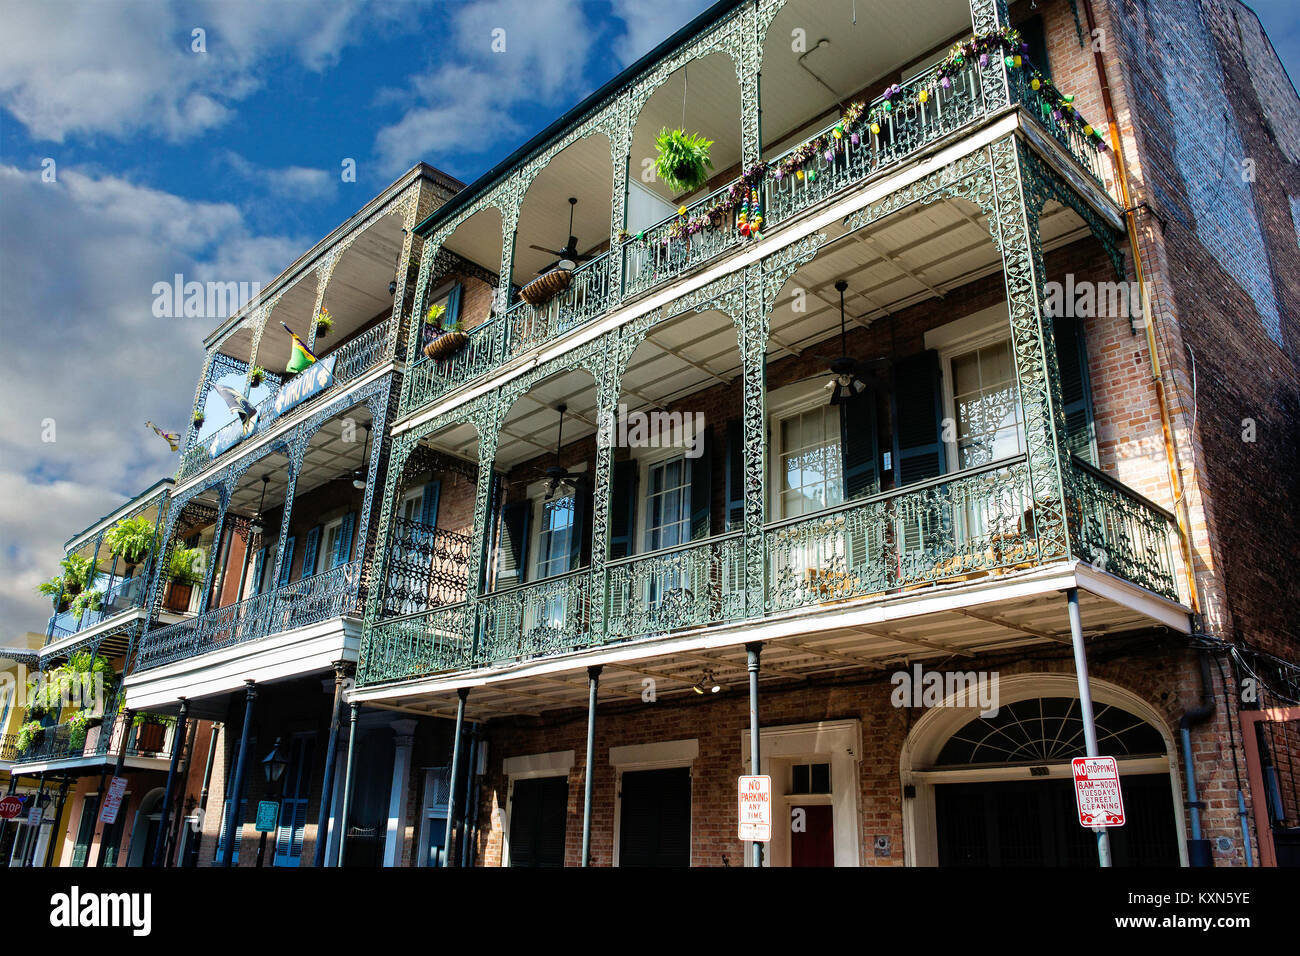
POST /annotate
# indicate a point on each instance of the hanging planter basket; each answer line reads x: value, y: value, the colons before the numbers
x: 546, y: 287
x: 683, y: 161
x: 445, y: 344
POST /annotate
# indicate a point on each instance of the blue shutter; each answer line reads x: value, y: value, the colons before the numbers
x: 309, y: 553
x: 239, y: 831
x: 343, y: 543
x: 735, y: 475
x: 288, y: 562
x: 453, y: 306
x: 258, y: 567
x: 429, y: 502
x: 858, y: 447
x: 918, y: 419
x: 701, y: 485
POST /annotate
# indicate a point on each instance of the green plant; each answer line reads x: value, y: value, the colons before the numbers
x: 434, y: 318
x: 27, y: 734
x: 683, y: 161
x: 257, y: 376
x: 185, y: 566
x: 87, y: 669
x: 131, y: 539
x: 198, y: 419
x: 86, y: 601
x: 143, y: 719
x: 324, y: 322
x: 79, y: 574
x: 78, y: 724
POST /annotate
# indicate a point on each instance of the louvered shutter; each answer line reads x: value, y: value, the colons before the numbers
x: 287, y: 566
x: 239, y: 830
x: 1072, y: 360
x: 259, y: 565
x: 735, y: 475
x: 309, y: 552
x: 453, y: 306
x: 513, y: 555
x: 701, y: 487
x: 429, y: 503
x: 918, y: 419
x: 655, y: 815
x: 343, y: 543
x: 293, y: 806
x: 538, y: 819
x: 859, y: 448
x: 622, y: 509
x: 580, y: 538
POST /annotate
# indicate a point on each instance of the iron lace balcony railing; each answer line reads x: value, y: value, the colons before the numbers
x: 122, y: 594
x: 428, y: 378
x: 8, y: 747
x: 103, y: 740
x: 427, y: 567
x: 692, y: 585
x: 321, y: 597
x: 539, y: 619
x: 588, y: 295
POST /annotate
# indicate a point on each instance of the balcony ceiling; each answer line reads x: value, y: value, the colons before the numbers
x: 478, y: 239
x: 583, y: 170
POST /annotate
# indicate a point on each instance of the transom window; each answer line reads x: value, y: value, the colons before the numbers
x: 667, y: 512
x: 986, y: 402
x: 811, y: 467
x: 555, y: 536
x: 810, y: 778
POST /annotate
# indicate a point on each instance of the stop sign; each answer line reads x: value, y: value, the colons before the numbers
x: 10, y: 807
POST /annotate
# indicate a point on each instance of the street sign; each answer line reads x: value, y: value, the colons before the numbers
x: 112, y: 801
x: 10, y: 807
x: 36, y: 815
x: 268, y: 812
x: 755, y: 792
x: 1097, y: 792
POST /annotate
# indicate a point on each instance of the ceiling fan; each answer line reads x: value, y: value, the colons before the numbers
x: 850, y: 376
x: 558, y: 478
x: 568, y: 256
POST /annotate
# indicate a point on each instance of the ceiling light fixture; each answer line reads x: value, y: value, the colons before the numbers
x: 359, y: 475
x: 257, y: 526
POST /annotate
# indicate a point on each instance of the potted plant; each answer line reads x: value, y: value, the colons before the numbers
x: 442, y: 338
x: 198, y: 419
x: 257, y: 376
x: 79, y: 574
x: 324, y: 322
x: 29, y: 735
x: 683, y: 161
x: 131, y: 540
x: 150, y: 732
x: 182, y: 573
x: 86, y: 601
x: 79, y: 726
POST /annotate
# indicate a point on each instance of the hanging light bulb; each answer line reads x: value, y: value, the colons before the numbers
x: 359, y: 475
x: 257, y: 526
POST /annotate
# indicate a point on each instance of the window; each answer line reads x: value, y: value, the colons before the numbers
x: 655, y: 817
x: 412, y: 505
x: 808, y: 778
x: 667, y: 504
x: 538, y: 819
x: 809, y: 461
x: 437, y: 791
x: 293, y: 807
x: 330, y: 539
x: 986, y: 405
x: 86, y: 830
x: 555, y: 531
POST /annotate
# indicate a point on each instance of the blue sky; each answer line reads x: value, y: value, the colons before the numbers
x: 224, y: 165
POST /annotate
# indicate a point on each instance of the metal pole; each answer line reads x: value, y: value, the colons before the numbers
x: 207, y: 775
x: 1085, y: 706
x: 85, y: 860
x: 752, y: 652
x: 469, y: 813
x: 593, y: 681
x: 160, y: 845
x: 30, y: 855
x: 58, y: 814
x: 461, y: 694
x: 127, y: 717
x: 174, y: 837
x: 4, y: 824
x: 347, y: 784
x: 241, y: 764
x: 327, y: 784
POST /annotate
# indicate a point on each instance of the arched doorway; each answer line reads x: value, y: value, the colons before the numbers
x: 996, y: 790
x: 144, y: 831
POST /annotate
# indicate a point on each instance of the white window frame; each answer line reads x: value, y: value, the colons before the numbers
x: 429, y: 810
x: 786, y: 403
x: 653, y: 458
x: 557, y: 763
x: 414, y: 498
x: 664, y: 755
x: 324, y: 546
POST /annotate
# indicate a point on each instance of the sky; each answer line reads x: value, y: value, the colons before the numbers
x: 141, y: 139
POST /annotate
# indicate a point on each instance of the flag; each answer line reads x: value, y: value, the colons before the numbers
x: 300, y: 356
x: 172, y: 438
x: 238, y: 404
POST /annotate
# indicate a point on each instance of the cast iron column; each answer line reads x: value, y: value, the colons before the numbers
x: 347, y: 784
x: 30, y: 856
x: 58, y: 813
x: 127, y: 718
x: 160, y: 845
x: 1085, y: 706
x: 327, y: 785
x: 593, y: 681
x: 241, y: 764
x: 755, y: 766
x: 461, y: 694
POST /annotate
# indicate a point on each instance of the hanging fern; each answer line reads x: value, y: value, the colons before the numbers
x: 683, y: 162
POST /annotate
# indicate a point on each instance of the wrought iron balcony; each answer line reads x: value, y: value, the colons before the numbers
x: 321, y: 597
x: 352, y: 359
x: 152, y: 736
x: 122, y: 594
x: 8, y: 747
x: 972, y: 525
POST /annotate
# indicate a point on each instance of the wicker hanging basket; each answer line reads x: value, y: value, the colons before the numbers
x: 546, y: 286
x: 445, y: 344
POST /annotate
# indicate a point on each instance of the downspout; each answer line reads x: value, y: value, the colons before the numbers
x: 1157, y: 375
x: 1198, y: 849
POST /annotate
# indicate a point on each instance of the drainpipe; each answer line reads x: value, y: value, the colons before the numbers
x: 1157, y: 375
x: 1198, y: 849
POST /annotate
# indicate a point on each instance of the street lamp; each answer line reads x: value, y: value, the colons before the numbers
x: 273, y: 765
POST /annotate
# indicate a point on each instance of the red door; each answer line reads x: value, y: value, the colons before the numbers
x: 812, y: 836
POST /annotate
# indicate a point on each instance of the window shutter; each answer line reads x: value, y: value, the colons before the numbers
x: 735, y: 475
x: 343, y: 543
x: 288, y: 562
x: 538, y: 819
x: 701, y: 487
x: 429, y: 503
x: 239, y: 830
x: 453, y: 306
x: 859, y: 448
x: 1072, y: 360
x: 622, y: 508
x: 656, y: 818
x: 259, y: 566
x: 513, y: 556
x: 580, y: 539
x: 918, y: 419
x: 309, y: 553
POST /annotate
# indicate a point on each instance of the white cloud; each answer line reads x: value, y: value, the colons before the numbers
x: 81, y: 347
x: 649, y: 24
x: 298, y: 183
x: 119, y: 68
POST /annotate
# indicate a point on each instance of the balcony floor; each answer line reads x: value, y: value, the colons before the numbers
x: 958, y: 621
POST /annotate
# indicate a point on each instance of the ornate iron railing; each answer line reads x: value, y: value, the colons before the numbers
x: 540, y: 619
x: 1083, y: 148
x: 426, y: 568
x: 954, y: 528
x: 416, y: 646
x: 665, y: 250
x: 121, y: 595
x: 587, y: 296
x: 1117, y: 530
x: 63, y: 742
x: 8, y: 746
x: 330, y: 594
x: 688, y: 586
x: 911, y: 126
x: 428, y: 378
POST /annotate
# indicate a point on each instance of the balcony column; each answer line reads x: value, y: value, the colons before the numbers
x: 58, y: 812
x: 121, y: 728
x: 1033, y: 346
x: 447, y: 847
x: 593, y: 681
x: 327, y: 784
x: 30, y: 855
x: 749, y: 60
x: 297, y: 451
x: 200, y: 400
x: 609, y: 384
x: 323, y: 273
x: 752, y: 331
x: 509, y: 233
x: 394, y: 838
x: 218, y: 532
x: 158, y: 567
x: 752, y: 652
x: 241, y: 766
x: 488, y: 425
x: 986, y: 16
x: 1085, y: 706
x: 620, y: 148
x: 160, y: 845
x: 342, y: 825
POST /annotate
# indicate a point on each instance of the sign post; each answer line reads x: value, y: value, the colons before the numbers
x: 1097, y: 792
x: 112, y: 801
x: 755, y: 795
